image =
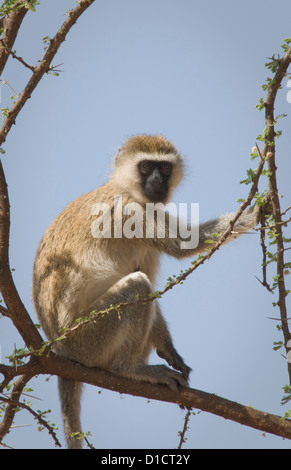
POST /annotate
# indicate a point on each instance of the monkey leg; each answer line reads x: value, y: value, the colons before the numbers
x: 121, y: 341
x: 163, y: 343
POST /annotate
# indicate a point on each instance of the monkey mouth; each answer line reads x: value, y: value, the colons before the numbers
x: 156, y: 196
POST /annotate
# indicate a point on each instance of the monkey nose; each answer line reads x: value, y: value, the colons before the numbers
x: 157, y: 181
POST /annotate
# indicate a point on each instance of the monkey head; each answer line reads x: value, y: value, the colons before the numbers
x: 149, y: 167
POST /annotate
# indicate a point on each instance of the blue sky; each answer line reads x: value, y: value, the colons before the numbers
x: 191, y: 71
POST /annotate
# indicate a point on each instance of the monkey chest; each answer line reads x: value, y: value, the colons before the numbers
x: 133, y: 256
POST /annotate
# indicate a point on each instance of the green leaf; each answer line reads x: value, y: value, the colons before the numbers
x: 277, y: 345
x: 274, y: 64
x: 285, y: 46
x: 261, y: 104
x: 250, y: 177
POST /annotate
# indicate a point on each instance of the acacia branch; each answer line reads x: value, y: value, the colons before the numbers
x: 15, y: 307
x: 190, y: 398
x: 184, y: 430
x: 283, y: 65
x: 187, y: 397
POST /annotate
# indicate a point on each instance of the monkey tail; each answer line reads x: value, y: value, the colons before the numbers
x: 70, y: 397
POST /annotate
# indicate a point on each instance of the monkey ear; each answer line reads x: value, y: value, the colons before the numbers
x: 118, y: 153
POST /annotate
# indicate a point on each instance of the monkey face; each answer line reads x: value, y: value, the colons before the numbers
x: 149, y: 168
x: 155, y: 177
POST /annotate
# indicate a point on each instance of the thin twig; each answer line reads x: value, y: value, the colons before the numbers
x: 185, y: 429
x: 4, y: 311
x: 279, y: 319
x: 14, y: 404
x: 264, y: 282
x: 268, y: 227
x: 10, y: 51
x: 288, y: 209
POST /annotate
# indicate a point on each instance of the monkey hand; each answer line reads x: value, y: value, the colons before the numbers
x: 171, y: 378
x: 175, y: 360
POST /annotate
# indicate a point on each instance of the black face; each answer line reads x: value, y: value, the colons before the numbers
x: 155, y: 179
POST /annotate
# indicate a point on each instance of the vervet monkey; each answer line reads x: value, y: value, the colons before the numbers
x: 76, y: 271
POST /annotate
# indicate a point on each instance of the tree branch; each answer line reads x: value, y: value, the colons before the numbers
x: 274, y: 194
x: 189, y: 398
x: 184, y: 430
x: 17, y: 311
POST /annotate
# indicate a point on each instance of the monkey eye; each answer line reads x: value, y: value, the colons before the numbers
x: 145, y: 167
x: 165, y: 168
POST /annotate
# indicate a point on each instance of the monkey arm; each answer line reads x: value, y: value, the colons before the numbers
x: 192, y: 240
x: 211, y: 231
